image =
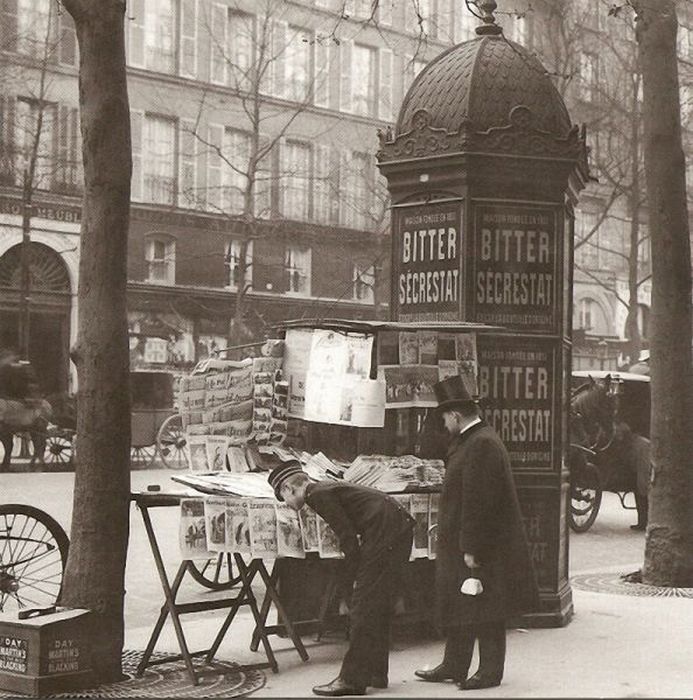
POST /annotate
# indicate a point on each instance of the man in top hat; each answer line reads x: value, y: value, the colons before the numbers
x: 375, y: 534
x: 480, y: 538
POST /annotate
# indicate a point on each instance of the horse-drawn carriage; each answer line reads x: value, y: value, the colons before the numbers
x: 609, y: 450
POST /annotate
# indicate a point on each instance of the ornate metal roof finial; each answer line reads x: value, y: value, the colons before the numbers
x: 489, y: 26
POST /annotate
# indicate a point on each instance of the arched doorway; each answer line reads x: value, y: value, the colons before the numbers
x: 49, y: 307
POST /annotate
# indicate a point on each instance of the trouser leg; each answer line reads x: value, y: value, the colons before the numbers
x: 459, y: 647
x: 370, y: 614
x: 492, y: 649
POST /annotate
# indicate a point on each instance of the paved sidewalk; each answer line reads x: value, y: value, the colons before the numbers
x: 616, y: 646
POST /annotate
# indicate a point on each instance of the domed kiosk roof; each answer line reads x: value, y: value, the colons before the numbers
x: 481, y: 81
x: 486, y: 95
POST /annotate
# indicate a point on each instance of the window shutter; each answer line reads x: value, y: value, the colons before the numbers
x: 62, y: 170
x: 278, y: 59
x: 345, y: 50
x: 284, y: 174
x: 186, y: 162
x: 385, y: 94
x: 8, y: 25
x: 136, y: 34
x: 75, y: 151
x: 322, y: 72
x: 136, y: 127
x: 345, y: 198
x: 263, y: 182
x: 188, y: 38
x: 217, y: 72
x: 322, y: 209
x: 214, y: 163
x: 7, y: 105
x: 68, y: 39
x: 385, y: 12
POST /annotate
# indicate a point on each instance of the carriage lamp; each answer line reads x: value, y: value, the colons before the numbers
x: 615, y: 386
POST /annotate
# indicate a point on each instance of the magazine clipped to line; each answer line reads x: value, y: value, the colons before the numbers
x: 263, y: 529
x: 237, y: 526
x: 328, y: 543
x: 309, y: 529
x: 289, y: 537
x: 215, y: 523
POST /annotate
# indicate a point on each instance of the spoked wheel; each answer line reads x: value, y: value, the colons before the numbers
x: 172, y: 443
x: 585, y: 497
x: 58, y: 448
x: 216, y: 574
x: 33, y: 554
x: 142, y: 455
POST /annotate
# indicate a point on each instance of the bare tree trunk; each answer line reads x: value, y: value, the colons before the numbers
x: 95, y: 572
x: 669, y: 544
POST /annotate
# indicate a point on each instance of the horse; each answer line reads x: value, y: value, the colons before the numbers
x: 22, y: 409
x: 621, y: 456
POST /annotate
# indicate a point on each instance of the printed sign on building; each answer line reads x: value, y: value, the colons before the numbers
x: 426, y: 262
x: 516, y: 253
x: 518, y: 384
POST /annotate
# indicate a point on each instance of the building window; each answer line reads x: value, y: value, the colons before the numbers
x: 29, y: 113
x: 363, y: 66
x: 240, y: 38
x: 236, y: 163
x: 159, y: 160
x: 233, y: 266
x: 412, y: 67
x: 363, y: 283
x: 155, y: 351
x: 644, y: 320
x: 417, y: 17
x: 588, y: 67
x: 160, y: 35
x: 296, y: 179
x: 518, y: 29
x: 585, y: 312
x: 590, y: 317
x: 465, y: 22
x: 35, y: 27
x: 161, y: 260
x: 297, y: 265
x: 356, y: 191
x: 385, y: 8
x: 299, y: 64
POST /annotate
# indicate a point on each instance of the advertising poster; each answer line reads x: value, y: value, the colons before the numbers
x: 519, y: 388
x: 408, y: 348
x: 296, y: 357
x: 328, y: 543
x: 289, y: 538
x: 192, y: 530
x: 237, y: 526
x: 409, y: 386
x: 309, y: 529
x: 216, y: 452
x: 215, y: 523
x: 428, y: 347
x: 263, y: 529
x: 516, y: 261
x: 337, y: 376
x: 197, y: 447
x: 427, y: 244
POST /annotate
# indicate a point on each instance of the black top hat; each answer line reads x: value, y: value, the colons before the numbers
x: 452, y: 392
x: 281, y: 473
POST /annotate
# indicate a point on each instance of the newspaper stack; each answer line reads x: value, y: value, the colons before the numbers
x: 394, y: 474
x: 227, y: 483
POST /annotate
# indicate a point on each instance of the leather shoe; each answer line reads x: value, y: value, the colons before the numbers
x: 479, y: 681
x: 378, y: 682
x: 439, y: 674
x: 337, y: 688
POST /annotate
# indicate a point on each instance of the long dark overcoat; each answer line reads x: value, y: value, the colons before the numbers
x: 480, y: 514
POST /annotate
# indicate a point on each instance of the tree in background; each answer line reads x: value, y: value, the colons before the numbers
x: 94, y: 577
x: 669, y: 540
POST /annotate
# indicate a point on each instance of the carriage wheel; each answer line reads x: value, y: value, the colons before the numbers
x: 58, y: 449
x: 172, y: 443
x: 216, y: 574
x: 33, y: 554
x: 142, y: 455
x: 585, y: 498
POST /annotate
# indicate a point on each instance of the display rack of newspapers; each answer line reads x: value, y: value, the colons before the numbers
x: 266, y: 529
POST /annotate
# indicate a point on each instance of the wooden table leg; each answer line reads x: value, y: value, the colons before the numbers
x: 248, y: 573
x: 169, y: 606
x: 272, y: 592
x: 264, y: 612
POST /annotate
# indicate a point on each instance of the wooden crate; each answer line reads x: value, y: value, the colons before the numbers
x: 45, y: 654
